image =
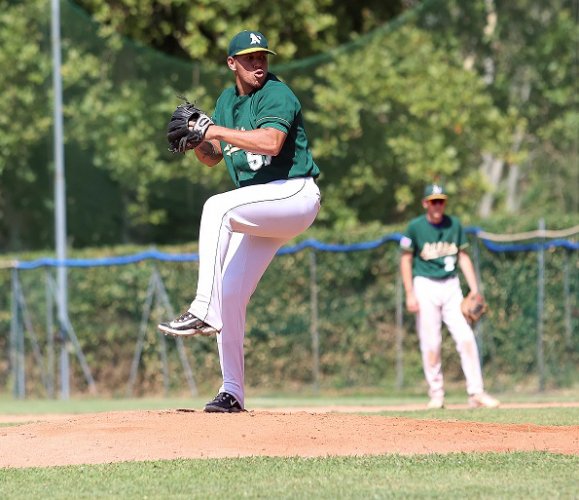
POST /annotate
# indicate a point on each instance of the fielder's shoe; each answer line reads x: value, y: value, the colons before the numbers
x: 482, y: 400
x: 223, y: 403
x: 435, y: 403
x: 186, y: 325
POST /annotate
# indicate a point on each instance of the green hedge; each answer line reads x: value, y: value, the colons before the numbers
x: 357, y: 322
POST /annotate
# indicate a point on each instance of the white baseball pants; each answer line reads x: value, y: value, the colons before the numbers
x: 439, y: 300
x: 240, y: 233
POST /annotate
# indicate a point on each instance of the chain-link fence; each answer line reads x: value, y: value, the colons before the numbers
x: 324, y: 316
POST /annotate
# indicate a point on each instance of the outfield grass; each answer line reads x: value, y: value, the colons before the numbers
x: 538, y: 416
x: 489, y: 475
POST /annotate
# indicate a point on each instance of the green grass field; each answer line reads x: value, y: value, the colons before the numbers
x: 489, y: 475
x: 537, y: 475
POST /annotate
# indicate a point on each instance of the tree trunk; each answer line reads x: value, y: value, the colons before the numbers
x: 492, y: 170
x: 512, y: 202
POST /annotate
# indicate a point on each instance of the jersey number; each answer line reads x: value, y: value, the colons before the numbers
x: 255, y: 161
x: 449, y: 263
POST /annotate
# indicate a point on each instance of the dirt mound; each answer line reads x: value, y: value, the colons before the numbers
x: 156, y: 435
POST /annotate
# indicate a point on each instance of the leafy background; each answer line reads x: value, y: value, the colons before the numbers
x: 481, y: 95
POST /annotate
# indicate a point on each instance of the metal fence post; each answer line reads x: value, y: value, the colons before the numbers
x: 314, y: 321
x: 141, y: 335
x: 567, y: 293
x: 399, y: 332
x: 69, y: 339
x: 16, y: 336
x: 50, y: 356
x: 540, y: 308
x: 163, y: 298
x: 478, y: 329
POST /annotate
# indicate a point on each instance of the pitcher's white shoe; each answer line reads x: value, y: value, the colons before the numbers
x: 483, y: 400
x: 187, y: 325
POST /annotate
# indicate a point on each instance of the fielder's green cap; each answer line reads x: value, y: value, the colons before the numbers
x: 247, y: 42
x: 435, y: 192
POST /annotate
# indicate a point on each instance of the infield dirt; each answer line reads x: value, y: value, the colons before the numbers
x: 49, y: 440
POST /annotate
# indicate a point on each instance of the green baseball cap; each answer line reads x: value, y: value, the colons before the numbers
x: 435, y: 192
x: 247, y: 42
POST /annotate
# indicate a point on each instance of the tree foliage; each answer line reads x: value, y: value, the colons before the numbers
x: 25, y: 120
x: 395, y: 94
x: 526, y: 51
x: 421, y: 118
x: 201, y: 30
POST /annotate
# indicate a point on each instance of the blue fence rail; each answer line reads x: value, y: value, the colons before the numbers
x: 491, y: 245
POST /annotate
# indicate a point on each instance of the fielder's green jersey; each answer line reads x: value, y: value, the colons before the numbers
x: 273, y: 105
x: 434, y: 247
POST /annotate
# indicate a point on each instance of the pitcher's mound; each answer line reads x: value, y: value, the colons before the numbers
x: 157, y: 435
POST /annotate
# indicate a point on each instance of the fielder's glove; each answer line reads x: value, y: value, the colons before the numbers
x: 473, y: 307
x: 187, y: 127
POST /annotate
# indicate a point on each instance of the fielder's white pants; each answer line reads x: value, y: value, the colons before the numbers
x: 240, y: 233
x: 439, y: 301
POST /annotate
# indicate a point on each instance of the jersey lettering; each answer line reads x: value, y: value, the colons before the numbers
x: 432, y: 251
x: 229, y: 149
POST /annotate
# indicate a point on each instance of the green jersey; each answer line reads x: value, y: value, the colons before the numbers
x: 434, y: 247
x: 273, y: 105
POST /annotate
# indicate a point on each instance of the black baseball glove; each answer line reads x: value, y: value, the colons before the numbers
x: 187, y: 127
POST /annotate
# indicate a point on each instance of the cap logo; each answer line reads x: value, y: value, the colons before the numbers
x: 436, y: 189
x: 254, y: 39
x: 247, y: 42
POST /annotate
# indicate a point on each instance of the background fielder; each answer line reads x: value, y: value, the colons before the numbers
x: 433, y: 249
x: 258, y: 129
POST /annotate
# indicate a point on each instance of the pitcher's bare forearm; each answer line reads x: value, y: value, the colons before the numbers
x: 209, y: 153
x: 264, y: 141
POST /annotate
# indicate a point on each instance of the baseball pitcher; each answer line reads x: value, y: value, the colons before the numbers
x: 257, y: 128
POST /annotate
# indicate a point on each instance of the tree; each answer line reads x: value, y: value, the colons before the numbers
x: 394, y: 115
x: 201, y: 30
x: 526, y: 52
x: 25, y: 120
x: 449, y: 90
